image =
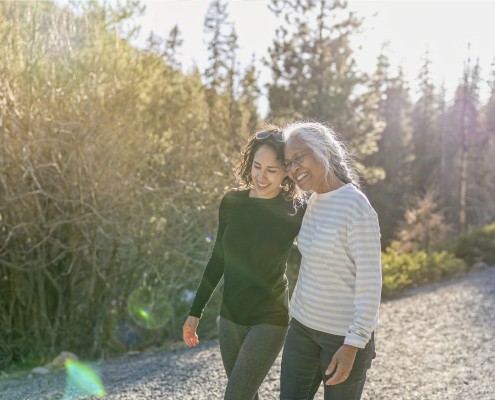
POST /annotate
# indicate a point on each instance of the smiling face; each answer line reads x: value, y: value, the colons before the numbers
x: 309, y: 174
x: 267, y: 174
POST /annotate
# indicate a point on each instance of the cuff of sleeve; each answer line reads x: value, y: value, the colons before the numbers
x: 196, y: 313
x: 355, y: 340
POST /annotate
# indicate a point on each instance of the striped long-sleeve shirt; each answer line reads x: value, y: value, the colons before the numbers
x: 339, y: 284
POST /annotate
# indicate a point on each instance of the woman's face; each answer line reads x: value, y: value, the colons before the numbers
x: 309, y: 174
x: 267, y: 173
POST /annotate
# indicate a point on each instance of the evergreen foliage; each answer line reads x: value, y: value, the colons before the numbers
x: 110, y: 176
x: 477, y: 245
x: 315, y: 76
x: 113, y: 161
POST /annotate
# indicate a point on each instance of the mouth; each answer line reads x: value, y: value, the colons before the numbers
x: 301, y: 178
x: 262, y: 186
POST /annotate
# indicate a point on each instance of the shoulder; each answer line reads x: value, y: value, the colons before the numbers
x: 232, y: 196
x: 356, y: 202
x: 236, y: 193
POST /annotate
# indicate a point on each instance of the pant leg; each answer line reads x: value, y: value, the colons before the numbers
x: 300, y: 375
x: 352, y: 387
x: 371, y: 356
x: 258, y: 352
x: 231, y: 336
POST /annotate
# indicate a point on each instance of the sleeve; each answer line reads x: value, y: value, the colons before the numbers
x: 365, y: 249
x: 213, y: 271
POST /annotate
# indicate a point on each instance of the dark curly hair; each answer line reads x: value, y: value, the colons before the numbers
x: 243, y: 169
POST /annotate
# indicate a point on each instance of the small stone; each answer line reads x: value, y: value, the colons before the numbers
x: 40, y: 371
x: 30, y: 376
x: 59, y: 361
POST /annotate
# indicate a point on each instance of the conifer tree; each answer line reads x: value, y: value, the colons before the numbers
x: 442, y: 129
x: 249, y: 95
x: 468, y: 125
x: 216, y: 29
x: 425, y: 144
x: 315, y: 75
x: 393, y: 157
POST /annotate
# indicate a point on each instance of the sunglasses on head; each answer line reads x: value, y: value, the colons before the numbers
x: 263, y: 135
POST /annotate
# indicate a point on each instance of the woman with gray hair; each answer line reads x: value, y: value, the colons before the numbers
x: 335, y: 304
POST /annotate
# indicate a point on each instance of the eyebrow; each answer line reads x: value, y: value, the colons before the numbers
x: 256, y: 162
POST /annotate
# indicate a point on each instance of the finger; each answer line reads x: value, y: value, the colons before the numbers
x: 340, y: 376
x: 185, y: 335
x: 331, y: 367
x: 336, y: 379
x: 193, y: 337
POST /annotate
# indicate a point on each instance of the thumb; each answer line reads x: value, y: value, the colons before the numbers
x: 331, y: 367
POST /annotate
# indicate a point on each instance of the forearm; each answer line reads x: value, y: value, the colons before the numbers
x: 367, y: 256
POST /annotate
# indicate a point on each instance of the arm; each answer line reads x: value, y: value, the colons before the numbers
x: 211, y: 277
x: 365, y: 249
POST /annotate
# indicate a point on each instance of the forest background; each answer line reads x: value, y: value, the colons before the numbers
x: 113, y: 162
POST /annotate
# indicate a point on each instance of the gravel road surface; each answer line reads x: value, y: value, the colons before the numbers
x: 436, y: 342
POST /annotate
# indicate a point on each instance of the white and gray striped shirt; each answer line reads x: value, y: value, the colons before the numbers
x: 339, y: 285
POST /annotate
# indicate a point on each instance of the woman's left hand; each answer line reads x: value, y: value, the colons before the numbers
x: 343, y: 359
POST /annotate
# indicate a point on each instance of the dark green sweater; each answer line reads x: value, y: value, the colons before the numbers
x: 251, y: 250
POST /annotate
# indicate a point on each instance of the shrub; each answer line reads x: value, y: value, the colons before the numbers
x: 112, y: 166
x: 403, y: 270
x: 477, y: 245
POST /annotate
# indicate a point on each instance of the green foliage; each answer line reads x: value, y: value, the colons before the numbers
x: 316, y: 77
x: 477, y: 245
x: 112, y: 166
x: 404, y: 270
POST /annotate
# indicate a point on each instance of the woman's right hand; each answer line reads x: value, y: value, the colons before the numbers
x: 189, y: 331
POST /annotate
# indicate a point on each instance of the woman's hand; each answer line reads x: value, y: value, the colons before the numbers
x: 343, y: 359
x: 189, y: 331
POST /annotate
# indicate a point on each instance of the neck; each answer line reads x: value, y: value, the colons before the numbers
x: 255, y: 194
x: 330, y: 184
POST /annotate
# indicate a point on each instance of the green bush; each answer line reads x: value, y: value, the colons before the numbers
x: 403, y: 270
x: 477, y: 245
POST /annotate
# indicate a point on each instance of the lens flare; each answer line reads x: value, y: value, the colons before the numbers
x: 82, y: 380
x: 126, y: 334
x: 149, y: 308
x: 208, y: 239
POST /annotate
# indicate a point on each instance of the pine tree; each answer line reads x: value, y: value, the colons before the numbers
x: 483, y: 157
x: 468, y: 128
x: 216, y: 29
x: 425, y: 139
x: 387, y: 195
x: 173, y: 43
x: 314, y: 74
x: 250, y: 93
x: 442, y: 129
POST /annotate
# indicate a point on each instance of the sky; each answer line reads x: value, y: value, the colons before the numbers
x: 443, y: 28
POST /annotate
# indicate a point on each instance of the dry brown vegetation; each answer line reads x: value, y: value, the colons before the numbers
x: 112, y: 164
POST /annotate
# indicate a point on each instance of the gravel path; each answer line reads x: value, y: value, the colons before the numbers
x: 436, y: 342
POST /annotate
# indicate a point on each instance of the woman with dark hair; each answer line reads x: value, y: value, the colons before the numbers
x: 257, y: 225
x: 335, y: 305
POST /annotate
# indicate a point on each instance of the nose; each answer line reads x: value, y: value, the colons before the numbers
x: 293, y: 168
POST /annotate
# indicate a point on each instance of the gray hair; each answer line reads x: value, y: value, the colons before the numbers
x: 328, y: 149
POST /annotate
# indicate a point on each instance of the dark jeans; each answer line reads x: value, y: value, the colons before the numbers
x: 307, y: 355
